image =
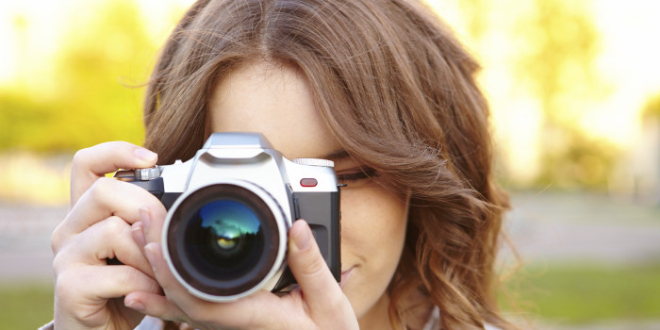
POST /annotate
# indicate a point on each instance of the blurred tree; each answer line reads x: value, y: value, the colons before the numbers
x: 105, y: 56
x: 577, y: 160
x: 24, y: 120
x: 555, y: 44
x: 557, y: 65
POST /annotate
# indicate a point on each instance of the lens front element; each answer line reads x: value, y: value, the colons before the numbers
x: 224, y: 240
x: 228, y: 225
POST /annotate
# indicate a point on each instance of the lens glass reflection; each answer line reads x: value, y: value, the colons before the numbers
x: 224, y: 239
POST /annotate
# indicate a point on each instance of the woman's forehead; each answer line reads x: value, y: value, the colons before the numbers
x: 275, y: 101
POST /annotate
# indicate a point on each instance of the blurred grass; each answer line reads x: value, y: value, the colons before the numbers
x: 25, y: 306
x: 578, y: 294
x: 563, y: 294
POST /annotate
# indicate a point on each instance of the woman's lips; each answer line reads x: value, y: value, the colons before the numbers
x: 345, y: 275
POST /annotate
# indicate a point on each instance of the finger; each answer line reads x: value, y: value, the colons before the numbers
x: 173, y: 289
x: 247, y: 312
x: 108, y: 239
x: 99, y: 283
x: 155, y: 305
x: 87, y: 295
x: 321, y: 291
x: 137, y: 232
x: 105, y: 198
x: 153, y: 218
x: 93, y: 163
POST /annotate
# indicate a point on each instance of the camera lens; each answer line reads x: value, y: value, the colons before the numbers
x: 228, y: 225
x: 227, y: 236
x: 223, y: 239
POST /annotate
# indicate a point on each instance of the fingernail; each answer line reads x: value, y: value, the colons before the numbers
x: 145, y: 218
x: 144, y: 154
x: 135, y: 305
x: 149, y: 251
x: 138, y: 233
x: 302, y: 237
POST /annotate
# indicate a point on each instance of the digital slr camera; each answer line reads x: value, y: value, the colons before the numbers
x: 229, y: 210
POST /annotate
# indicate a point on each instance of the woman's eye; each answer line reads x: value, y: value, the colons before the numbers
x: 356, y: 175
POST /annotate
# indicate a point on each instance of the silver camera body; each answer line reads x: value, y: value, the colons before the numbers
x: 229, y: 211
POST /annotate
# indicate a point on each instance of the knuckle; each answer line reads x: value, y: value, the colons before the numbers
x: 59, y: 263
x: 80, y: 158
x: 59, y: 237
x: 115, y: 226
x: 100, y: 188
x: 105, y: 183
x: 56, y: 239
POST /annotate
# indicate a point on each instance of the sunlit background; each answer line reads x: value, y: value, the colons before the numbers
x: 574, y: 88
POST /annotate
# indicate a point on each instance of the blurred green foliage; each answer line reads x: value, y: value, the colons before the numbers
x: 559, y: 44
x: 558, y: 67
x: 554, y: 61
x: 573, y: 160
x: 107, y: 56
x: 96, y: 95
x: 585, y: 293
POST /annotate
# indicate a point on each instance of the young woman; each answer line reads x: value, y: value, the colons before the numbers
x: 382, y: 87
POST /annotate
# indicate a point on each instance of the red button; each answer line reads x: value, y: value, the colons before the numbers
x: 308, y: 182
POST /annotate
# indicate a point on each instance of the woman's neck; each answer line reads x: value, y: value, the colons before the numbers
x: 377, y: 317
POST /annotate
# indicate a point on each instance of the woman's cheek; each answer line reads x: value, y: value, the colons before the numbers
x: 372, y: 217
x: 373, y: 226
x: 373, y: 233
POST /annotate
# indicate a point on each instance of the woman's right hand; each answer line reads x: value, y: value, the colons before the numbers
x: 103, y: 218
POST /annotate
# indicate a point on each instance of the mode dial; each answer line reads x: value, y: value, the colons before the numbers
x: 145, y: 174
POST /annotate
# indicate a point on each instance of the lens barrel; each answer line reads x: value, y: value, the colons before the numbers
x: 225, y: 240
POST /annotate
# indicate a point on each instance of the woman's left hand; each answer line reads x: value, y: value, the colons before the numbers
x: 318, y: 303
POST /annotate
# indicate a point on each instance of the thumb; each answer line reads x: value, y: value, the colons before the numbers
x: 320, y: 290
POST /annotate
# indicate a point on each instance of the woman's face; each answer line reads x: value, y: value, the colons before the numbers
x: 276, y: 101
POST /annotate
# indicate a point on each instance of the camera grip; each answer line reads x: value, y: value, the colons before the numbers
x: 323, y: 218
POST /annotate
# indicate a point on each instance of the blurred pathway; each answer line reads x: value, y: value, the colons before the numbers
x: 25, y: 230
x: 552, y: 227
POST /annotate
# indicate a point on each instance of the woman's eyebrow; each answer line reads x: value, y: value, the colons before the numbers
x: 336, y: 155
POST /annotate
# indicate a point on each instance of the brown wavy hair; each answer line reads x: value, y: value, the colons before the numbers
x: 398, y: 91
